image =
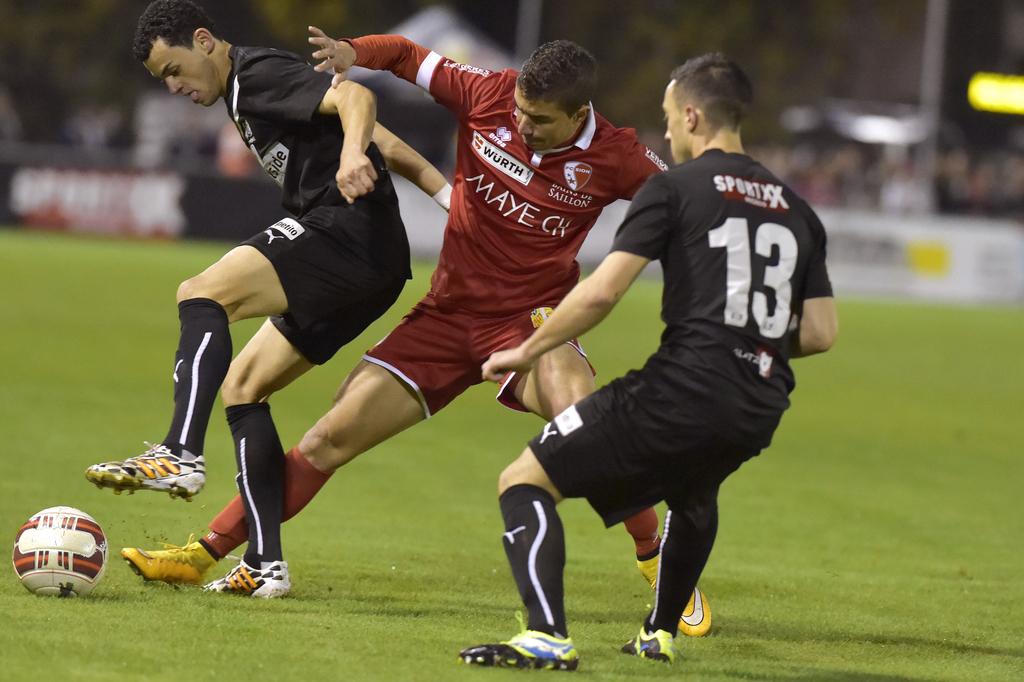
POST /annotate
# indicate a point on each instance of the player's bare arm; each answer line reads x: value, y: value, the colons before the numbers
x: 583, y: 308
x: 337, y: 55
x: 356, y: 106
x: 408, y: 163
x: 819, y: 327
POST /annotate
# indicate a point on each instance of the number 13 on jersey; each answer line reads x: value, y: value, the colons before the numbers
x: 734, y: 237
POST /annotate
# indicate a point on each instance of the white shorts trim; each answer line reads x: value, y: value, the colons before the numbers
x: 503, y: 389
x: 402, y: 377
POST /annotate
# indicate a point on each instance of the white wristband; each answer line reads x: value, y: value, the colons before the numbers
x: 444, y: 197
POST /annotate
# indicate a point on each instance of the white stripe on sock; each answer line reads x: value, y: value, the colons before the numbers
x: 661, y: 563
x: 194, y: 387
x: 532, y: 562
x: 248, y: 497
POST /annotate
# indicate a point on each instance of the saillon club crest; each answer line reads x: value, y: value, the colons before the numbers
x: 577, y: 174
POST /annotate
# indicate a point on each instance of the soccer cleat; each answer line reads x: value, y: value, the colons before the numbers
x: 155, y: 469
x: 696, y: 618
x: 657, y: 646
x: 528, y: 649
x: 267, y: 583
x: 649, y: 569
x: 173, y: 565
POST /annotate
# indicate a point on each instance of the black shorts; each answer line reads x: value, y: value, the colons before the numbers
x: 335, y: 289
x: 319, y: 340
x: 633, y: 444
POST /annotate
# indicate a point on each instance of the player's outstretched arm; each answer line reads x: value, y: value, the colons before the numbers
x: 337, y: 56
x: 392, y: 53
x: 587, y: 304
x: 819, y: 327
x: 356, y: 106
x: 408, y: 163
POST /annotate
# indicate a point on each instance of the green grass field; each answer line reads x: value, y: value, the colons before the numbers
x: 880, y: 538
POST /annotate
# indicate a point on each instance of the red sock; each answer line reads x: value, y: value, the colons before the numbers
x: 644, y: 529
x: 302, y: 481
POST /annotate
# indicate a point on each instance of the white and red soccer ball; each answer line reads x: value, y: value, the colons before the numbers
x: 60, y: 551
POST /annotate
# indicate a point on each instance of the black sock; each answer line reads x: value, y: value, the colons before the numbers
x: 689, y: 534
x: 535, y: 546
x: 210, y: 549
x: 260, y: 459
x: 204, y: 353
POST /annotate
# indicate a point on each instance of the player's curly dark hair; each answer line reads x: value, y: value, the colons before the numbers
x: 173, y: 20
x: 561, y: 72
x: 718, y: 85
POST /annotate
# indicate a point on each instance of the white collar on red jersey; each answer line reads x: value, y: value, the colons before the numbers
x: 583, y: 140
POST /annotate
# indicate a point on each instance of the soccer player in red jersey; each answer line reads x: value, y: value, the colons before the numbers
x: 536, y: 165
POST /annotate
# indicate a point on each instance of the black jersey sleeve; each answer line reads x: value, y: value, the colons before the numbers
x: 648, y: 223
x: 818, y: 283
x: 281, y: 89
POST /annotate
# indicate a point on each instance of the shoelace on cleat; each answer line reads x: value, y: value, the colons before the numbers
x: 157, y: 460
x: 178, y: 550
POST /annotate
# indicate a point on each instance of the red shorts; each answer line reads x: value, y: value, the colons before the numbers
x: 439, y: 354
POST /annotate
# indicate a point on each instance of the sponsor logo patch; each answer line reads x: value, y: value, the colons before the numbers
x: 577, y: 174
x: 762, y: 358
x: 655, y: 159
x: 502, y: 136
x: 504, y: 162
x: 760, y: 194
x: 449, y: 64
x: 568, y: 421
x: 275, y: 161
x: 287, y: 227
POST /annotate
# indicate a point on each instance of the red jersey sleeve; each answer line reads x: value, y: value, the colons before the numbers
x: 641, y: 162
x: 459, y: 87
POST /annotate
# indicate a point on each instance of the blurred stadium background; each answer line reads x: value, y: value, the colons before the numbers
x: 879, y: 538
x: 863, y: 107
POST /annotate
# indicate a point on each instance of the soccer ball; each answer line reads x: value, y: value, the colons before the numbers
x: 60, y: 551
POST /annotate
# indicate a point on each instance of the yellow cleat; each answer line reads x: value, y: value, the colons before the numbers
x: 649, y: 569
x: 696, y: 618
x: 174, y: 565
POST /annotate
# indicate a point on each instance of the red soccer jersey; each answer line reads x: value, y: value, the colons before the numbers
x: 517, y: 218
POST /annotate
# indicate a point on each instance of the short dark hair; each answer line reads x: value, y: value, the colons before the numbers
x: 718, y: 85
x: 173, y: 20
x: 561, y: 72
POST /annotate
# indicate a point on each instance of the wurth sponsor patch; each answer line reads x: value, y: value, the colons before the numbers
x: 503, y: 161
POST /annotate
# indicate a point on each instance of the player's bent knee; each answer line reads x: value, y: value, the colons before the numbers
x: 526, y: 470
x: 189, y: 289
x: 324, y: 450
x: 240, y: 387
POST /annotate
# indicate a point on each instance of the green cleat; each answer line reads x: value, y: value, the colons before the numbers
x: 657, y: 646
x: 528, y: 649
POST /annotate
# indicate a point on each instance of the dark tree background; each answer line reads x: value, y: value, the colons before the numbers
x: 57, y: 56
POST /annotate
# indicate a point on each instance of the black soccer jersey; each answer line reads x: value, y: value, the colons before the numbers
x: 740, y: 254
x: 273, y: 97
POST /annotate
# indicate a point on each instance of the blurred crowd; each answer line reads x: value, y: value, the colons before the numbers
x: 833, y: 174
x: 858, y: 176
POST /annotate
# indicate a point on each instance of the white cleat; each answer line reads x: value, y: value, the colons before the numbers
x: 268, y: 582
x: 156, y: 469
